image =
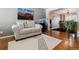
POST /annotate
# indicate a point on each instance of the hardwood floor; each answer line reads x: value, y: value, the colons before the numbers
x: 64, y: 45
x: 4, y: 42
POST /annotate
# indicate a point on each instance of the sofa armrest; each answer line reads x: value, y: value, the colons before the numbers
x: 38, y: 25
x: 15, y: 28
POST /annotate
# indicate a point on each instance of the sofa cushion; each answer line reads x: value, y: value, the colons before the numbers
x: 20, y: 25
x: 25, y: 25
x: 25, y: 31
x: 30, y: 23
x: 29, y: 30
x: 20, y: 21
x: 35, y: 29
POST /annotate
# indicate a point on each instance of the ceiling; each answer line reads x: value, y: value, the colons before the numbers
x: 64, y: 11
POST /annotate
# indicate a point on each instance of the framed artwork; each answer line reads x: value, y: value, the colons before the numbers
x: 25, y: 14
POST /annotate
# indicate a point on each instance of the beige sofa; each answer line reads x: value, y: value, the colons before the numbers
x: 21, y: 32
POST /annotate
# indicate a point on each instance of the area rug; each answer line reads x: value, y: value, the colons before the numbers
x: 40, y: 42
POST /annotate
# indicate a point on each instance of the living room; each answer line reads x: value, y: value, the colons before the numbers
x: 44, y: 23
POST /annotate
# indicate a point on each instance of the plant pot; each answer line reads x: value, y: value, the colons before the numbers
x: 71, y: 36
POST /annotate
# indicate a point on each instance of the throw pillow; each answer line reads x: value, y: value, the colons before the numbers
x: 30, y: 23
x: 21, y: 26
x: 25, y: 24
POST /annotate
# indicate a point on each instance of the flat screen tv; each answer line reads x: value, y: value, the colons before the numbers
x: 25, y: 14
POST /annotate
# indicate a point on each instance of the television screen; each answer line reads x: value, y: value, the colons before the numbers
x: 25, y: 14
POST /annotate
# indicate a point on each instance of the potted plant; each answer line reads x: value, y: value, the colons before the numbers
x: 71, y: 28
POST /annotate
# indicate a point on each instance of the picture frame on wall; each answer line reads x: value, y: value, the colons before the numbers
x: 25, y: 14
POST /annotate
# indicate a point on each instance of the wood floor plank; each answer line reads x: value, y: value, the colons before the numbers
x: 64, y: 45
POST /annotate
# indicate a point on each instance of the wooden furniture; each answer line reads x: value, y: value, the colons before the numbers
x: 61, y: 25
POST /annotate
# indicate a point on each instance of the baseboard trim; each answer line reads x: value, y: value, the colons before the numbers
x: 4, y: 37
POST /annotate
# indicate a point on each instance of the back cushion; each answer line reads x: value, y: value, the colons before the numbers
x: 25, y: 25
x: 20, y: 23
x: 21, y: 26
x: 30, y: 23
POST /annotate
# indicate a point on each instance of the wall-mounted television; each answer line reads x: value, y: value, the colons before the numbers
x: 25, y: 14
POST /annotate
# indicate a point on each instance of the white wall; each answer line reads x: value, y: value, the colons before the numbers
x: 78, y: 14
x: 8, y: 17
x: 38, y: 13
x: 47, y: 16
x: 78, y: 21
